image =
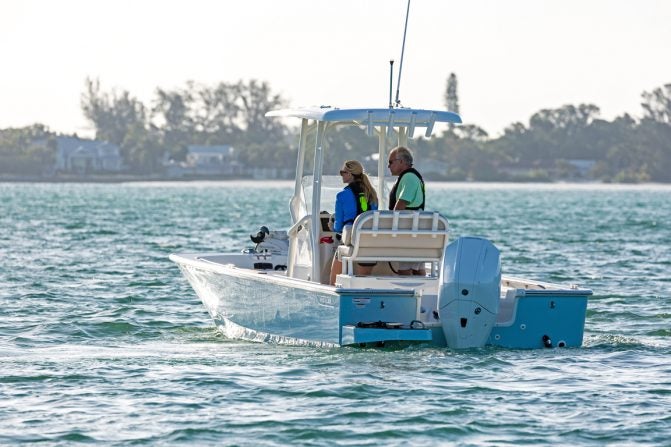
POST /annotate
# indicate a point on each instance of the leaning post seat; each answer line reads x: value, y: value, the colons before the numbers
x: 401, y: 236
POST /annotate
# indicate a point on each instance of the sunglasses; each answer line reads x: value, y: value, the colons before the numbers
x: 343, y: 172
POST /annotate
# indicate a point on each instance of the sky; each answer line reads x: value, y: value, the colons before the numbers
x: 512, y: 58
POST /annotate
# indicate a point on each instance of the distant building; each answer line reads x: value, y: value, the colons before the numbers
x: 81, y: 156
x: 582, y: 167
x: 559, y: 169
x: 212, y: 160
x: 269, y: 173
x: 431, y: 169
x: 207, y: 161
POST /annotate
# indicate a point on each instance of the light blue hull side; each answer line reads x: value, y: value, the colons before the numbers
x: 543, y: 319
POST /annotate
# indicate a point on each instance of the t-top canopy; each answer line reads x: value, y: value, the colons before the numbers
x: 390, y: 117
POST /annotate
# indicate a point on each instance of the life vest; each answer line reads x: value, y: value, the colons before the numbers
x: 359, y: 198
x: 392, y: 194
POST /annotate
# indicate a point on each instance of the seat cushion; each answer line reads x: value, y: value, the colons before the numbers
x: 344, y: 251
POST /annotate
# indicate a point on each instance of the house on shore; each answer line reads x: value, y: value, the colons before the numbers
x: 429, y: 168
x: 206, y: 161
x: 260, y: 173
x: 81, y: 156
x: 432, y: 169
x: 550, y: 170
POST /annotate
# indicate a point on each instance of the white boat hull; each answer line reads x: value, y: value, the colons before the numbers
x: 266, y: 306
x: 263, y: 305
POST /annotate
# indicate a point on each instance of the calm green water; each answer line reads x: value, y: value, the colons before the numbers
x: 102, y: 341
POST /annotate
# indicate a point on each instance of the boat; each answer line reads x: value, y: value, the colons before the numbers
x: 277, y: 291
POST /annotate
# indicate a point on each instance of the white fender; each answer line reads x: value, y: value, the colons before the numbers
x: 470, y: 287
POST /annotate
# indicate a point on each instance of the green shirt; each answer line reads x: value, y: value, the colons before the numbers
x: 410, y: 190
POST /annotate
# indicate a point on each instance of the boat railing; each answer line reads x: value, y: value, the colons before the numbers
x: 401, y: 236
x: 298, y: 246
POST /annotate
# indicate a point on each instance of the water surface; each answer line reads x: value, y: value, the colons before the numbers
x: 102, y: 341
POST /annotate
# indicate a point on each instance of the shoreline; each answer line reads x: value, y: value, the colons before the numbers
x: 125, y: 178
x: 118, y: 179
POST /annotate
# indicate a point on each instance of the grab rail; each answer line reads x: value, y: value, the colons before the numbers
x: 292, y: 234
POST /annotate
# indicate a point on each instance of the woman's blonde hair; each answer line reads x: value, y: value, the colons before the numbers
x: 356, y: 169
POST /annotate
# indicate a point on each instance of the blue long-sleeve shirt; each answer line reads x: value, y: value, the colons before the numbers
x: 346, y: 209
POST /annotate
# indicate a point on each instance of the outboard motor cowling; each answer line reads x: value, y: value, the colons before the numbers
x: 272, y: 242
x: 470, y: 288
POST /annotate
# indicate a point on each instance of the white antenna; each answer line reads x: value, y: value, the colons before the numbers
x: 400, y: 65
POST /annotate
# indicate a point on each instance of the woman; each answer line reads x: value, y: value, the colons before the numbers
x: 357, y: 197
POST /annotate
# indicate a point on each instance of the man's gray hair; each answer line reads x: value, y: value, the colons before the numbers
x: 404, y: 154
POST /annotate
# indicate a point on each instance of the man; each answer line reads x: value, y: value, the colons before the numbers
x: 406, y: 194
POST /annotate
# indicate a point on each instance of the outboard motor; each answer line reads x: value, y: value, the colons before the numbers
x: 470, y: 288
x: 272, y: 242
x: 260, y: 236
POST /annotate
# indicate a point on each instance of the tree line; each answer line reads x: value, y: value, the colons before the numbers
x: 626, y: 149
x: 227, y: 113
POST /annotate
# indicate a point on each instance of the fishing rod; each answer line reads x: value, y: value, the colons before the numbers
x: 400, y: 65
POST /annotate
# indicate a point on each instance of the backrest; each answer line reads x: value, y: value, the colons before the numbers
x: 399, y: 235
